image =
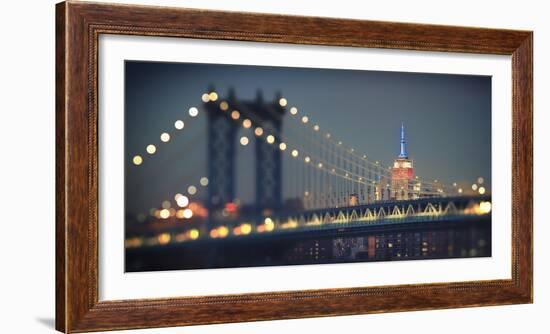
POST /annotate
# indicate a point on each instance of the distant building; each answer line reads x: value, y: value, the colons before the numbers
x: 402, y: 185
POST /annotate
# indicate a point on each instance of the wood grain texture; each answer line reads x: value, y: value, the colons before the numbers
x: 78, y: 26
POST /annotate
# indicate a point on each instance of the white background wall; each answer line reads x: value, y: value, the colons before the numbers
x: 27, y: 69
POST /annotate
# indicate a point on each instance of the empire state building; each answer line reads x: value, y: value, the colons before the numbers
x: 402, y: 172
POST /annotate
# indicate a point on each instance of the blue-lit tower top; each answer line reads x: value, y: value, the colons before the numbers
x: 403, y: 151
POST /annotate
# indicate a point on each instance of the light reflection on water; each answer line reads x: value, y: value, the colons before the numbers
x: 471, y: 240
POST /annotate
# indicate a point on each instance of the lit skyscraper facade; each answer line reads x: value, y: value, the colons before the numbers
x: 402, y: 172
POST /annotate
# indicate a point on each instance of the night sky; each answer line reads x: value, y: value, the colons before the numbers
x: 447, y: 119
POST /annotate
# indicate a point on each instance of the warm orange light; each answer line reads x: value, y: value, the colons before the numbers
x: 214, y: 233
x: 164, y: 238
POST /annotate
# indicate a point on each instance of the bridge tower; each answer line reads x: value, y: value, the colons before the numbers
x: 221, y: 132
x: 402, y: 172
x: 222, y: 141
x: 268, y: 157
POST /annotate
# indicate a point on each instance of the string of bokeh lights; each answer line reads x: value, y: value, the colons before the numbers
x: 183, y: 201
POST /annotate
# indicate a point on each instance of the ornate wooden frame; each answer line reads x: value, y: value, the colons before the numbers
x: 78, y: 25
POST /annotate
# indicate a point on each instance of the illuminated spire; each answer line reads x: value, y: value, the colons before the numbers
x: 403, y: 152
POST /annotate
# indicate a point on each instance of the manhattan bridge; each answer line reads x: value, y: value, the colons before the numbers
x: 316, y: 199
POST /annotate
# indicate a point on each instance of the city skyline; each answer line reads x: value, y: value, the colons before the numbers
x: 303, y: 166
x: 159, y: 79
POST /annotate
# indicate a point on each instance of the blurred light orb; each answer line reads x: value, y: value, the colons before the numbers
x: 270, y: 139
x: 258, y: 131
x: 192, y: 190
x: 294, y: 153
x: 151, y: 149
x: 481, y: 190
x: 214, y: 233
x: 246, y: 228
x: 204, y: 181
x: 182, y: 201
x: 293, y: 110
x: 480, y: 180
x: 205, y: 98
x: 244, y: 141
x: 164, y: 213
x: 282, y: 146
x: 474, y: 187
x: 194, y: 234
x: 235, y: 114
x: 305, y: 119
x: 460, y: 190
x: 307, y: 159
x: 187, y: 213
x: 485, y: 207
x: 179, y: 124
x: 137, y: 160
x: 223, y: 231
x: 247, y: 123
x: 165, y: 137
x: 224, y: 105
x: 193, y: 111
x: 164, y: 238
x: 283, y: 102
x: 213, y: 96
x: 316, y: 127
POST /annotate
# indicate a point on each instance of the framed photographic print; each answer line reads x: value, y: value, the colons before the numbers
x: 221, y: 166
